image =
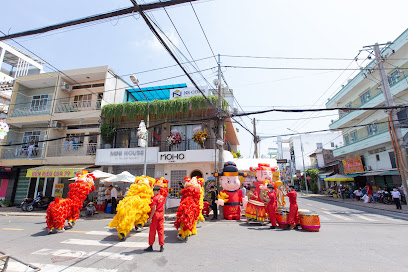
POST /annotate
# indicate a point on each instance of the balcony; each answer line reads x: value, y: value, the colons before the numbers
x: 381, y: 137
x: 71, y: 149
x: 22, y: 152
x: 28, y: 109
x: 397, y: 87
x: 187, y: 145
x: 75, y: 106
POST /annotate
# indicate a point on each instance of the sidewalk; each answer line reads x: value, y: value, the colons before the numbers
x: 14, y: 211
x: 377, y: 206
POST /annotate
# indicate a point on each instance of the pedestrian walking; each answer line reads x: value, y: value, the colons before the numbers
x: 370, y: 193
x: 213, y: 204
x: 396, y: 195
x: 293, y: 208
x: 108, y: 196
x: 114, y: 197
x: 156, y: 219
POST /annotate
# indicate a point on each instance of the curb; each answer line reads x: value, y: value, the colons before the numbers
x: 353, y: 204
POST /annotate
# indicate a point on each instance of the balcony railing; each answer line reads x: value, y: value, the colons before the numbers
x: 71, y: 149
x: 22, y: 152
x: 21, y: 110
x: 373, y: 95
x: 64, y: 107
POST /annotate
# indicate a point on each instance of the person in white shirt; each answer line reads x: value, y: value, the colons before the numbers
x: 114, y: 196
x: 396, y: 195
x: 358, y: 194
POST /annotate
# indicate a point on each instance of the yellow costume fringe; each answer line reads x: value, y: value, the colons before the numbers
x: 135, y: 207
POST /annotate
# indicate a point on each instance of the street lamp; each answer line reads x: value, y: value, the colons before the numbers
x: 303, y: 159
x: 135, y: 81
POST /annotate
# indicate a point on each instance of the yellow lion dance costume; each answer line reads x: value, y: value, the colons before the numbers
x: 191, y: 207
x: 134, y: 209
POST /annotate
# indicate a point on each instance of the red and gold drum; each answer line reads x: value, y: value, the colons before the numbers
x: 256, y: 210
x: 282, y: 217
x: 309, y: 221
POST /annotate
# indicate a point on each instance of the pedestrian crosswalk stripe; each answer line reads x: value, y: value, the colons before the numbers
x: 339, y: 216
x: 365, y: 218
x: 17, y: 267
x: 309, y: 204
x: 69, y: 253
x: 324, y: 218
x: 84, y: 242
x: 324, y: 209
x: 108, y: 233
x: 388, y: 218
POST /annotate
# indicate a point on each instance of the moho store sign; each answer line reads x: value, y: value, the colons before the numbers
x: 189, y: 156
x: 125, y: 156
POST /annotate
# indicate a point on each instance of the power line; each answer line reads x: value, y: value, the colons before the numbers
x: 295, y: 58
x: 298, y: 68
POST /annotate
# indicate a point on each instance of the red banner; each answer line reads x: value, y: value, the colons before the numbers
x: 353, y: 165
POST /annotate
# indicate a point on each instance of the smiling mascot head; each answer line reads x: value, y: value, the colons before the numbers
x: 229, y: 177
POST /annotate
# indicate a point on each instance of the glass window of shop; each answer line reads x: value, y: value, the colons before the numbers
x: 176, y: 176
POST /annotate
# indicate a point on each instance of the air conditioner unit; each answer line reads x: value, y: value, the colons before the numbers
x: 57, y: 125
x: 367, y: 168
x: 66, y: 86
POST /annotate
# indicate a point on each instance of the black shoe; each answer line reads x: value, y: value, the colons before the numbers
x: 272, y: 227
x: 296, y: 227
x: 161, y: 248
x: 149, y: 249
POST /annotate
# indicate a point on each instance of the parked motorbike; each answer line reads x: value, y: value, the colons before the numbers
x: 25, y: 203
x: 40, y: 202
x: 387, y: 198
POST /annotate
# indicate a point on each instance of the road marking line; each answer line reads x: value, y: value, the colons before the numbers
x: 68, y: 253
x: 324, y: 218
x: 339, y: 216
x: 387, y: 218
x: 365, y: 217
x: 309, y: 204
x: 83, y: 242
x: 324, y: 209
x: 108, y: 233
x: 12, y: 229
x: 14, y: 266
x: 77, y: 231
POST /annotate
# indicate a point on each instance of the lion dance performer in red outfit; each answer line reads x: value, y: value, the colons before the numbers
x: 68, y: 209
x: 190, y: 209
x: 231, y: 197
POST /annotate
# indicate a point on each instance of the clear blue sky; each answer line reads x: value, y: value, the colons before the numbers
x: 313, y: 29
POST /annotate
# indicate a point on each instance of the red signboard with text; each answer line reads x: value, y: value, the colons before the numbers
x: 353, y: 165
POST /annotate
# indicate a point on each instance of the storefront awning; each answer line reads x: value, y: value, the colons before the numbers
x: 354, y: 175
x: 325, y: 174
x: 382, y: 173
x: 52, y: 171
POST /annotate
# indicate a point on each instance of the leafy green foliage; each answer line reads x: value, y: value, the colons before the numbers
x: 313, y: 174
x: 133, y: 111
x: 108, y: 132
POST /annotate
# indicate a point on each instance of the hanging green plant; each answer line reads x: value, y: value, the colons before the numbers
x: 132, y: 111
x: 107, y: 132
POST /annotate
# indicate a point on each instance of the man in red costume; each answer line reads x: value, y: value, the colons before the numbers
x: 272, y: 205
x: 293, y: 208
x: 156, y: 219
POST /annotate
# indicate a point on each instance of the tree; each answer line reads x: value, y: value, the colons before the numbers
x: 314, y: 177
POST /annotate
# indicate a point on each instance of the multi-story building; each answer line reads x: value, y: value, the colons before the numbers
x: 181, y: 118
x: 54, y: 123
x: 367, y: 146
x: 14, y: 63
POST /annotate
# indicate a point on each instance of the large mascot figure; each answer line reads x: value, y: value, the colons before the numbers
x: 190, y: 209
x: 231, y: 196
x: 68, y: 209
x: 134, y: 209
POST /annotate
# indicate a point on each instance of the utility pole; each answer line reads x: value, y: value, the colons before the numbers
x: 389, y: 101
x: 220, y: 140
x: 256, y: 140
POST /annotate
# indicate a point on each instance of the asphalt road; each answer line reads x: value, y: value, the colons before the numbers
x: 349, y: 239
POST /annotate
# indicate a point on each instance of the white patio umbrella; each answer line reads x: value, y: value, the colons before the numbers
x: 125, y: 176
x: 97, y: 174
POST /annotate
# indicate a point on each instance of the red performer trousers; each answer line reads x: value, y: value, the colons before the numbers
x: 293, y: 214
x: 272, y: 214
x: 157, y: 225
